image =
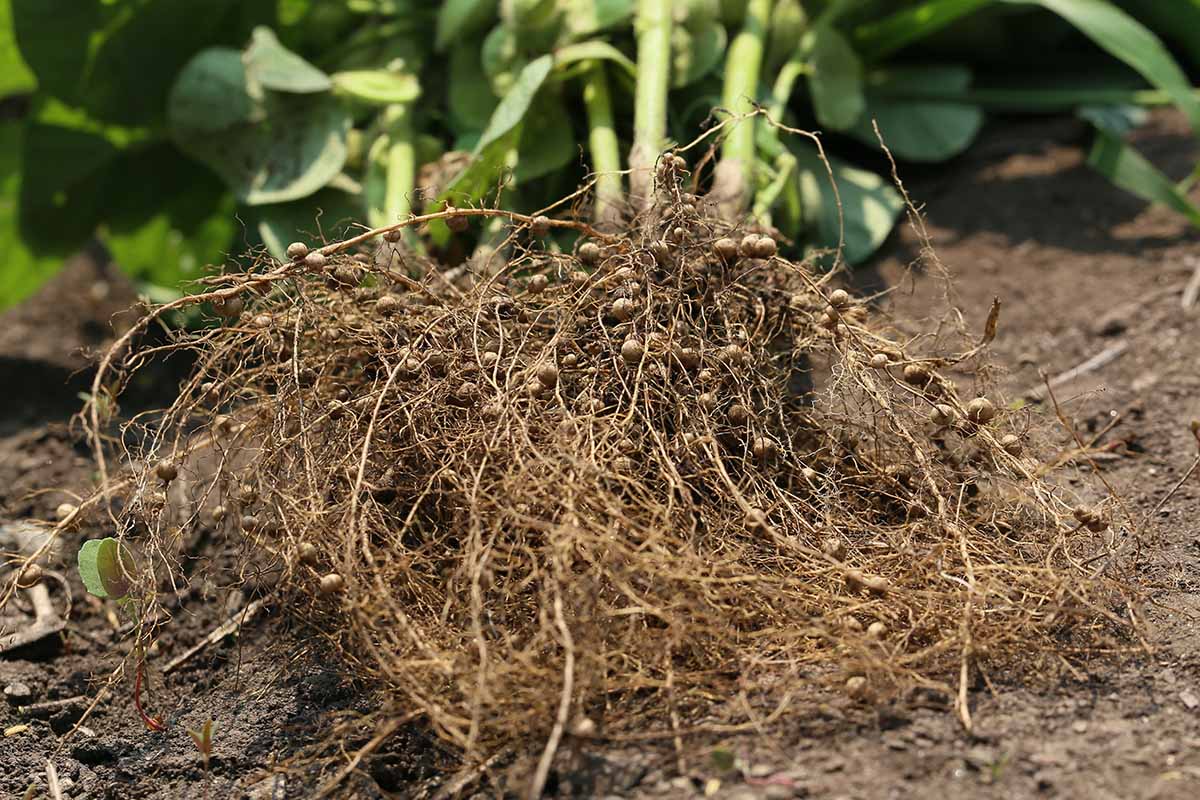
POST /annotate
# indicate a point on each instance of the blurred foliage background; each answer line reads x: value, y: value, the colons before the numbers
x: 184, y: 132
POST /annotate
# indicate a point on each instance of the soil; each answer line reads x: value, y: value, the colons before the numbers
x: 1081, y: 268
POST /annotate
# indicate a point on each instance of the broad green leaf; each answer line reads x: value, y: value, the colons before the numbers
x: 53, y: 37
x: 1129, y: 169
x: 469, y: 96
x: 280, y: 148
x: 914, y: 129
x: 497, y: 146
x: 587, y: 17
x: 869, y: 204
x: 788, y: 22
x: 137, y: 55
x: 180, y: 220
x: 62, y: 185
x: 593, y: 50
x: 271, y: 65
x: 695, y: 52
x: 501, y: 59
x: 298, y: 148
x: 21, y: 271
x: 211, y: 93
x: 514, y: 105
x: 835, y: 79
x: 881, y: 37
x: 458, y: 19
x: 1177, y: 21
x: 328, y: 215
x: 106, y: 568
x: 1128, y: 40
x: 378, y: 86
x: 528, y: 15
x: 400, y: 45
x: 549, y: 145
x: 15, y: 76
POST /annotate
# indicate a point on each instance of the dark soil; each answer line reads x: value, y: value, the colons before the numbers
x: 1081, y: 269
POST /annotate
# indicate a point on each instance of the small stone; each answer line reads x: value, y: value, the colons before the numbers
x: 1189, y: 699
x: 980, y: 758
x: 18, y: 693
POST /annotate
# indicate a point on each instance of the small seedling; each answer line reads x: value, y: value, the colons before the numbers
x: 203, y: 740
x: 106, y: 568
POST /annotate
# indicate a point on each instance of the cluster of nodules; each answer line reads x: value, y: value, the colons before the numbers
x: 622, y: 412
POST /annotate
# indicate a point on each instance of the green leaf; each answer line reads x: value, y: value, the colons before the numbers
x: 498, y: 144
x: 870, y: 205
x: 127, y: 78
x: 181, y: 219
x: 593, y: 50
x: 328, y: 215
x: 515, y: 104
x: 501, y: 59
x: 271, y: 65
x: 21, y: 270
x: 271, y: 150
x: 881, y: 37
x: 64, y: 175
x: 788, y: 22
x: 211, y: 93
x: 378, y: 86
x: 458, y: 19
x: 1129, y: 169
x: 1128, y: 40
x: 695, y: 52
x: 106, y: 568
x: 548, y: 146
x: 470, y: 97
x: 836, y: 78
x: 919, y: 130
x: 1176, y: 21
x: 587, y: 17
x: 15, y: 75
x: 53, y: 37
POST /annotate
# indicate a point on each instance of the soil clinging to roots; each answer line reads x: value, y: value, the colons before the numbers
x: 591, y: 493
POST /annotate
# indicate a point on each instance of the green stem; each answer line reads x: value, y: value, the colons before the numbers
x: 602, y: 141
x: 653, y: 26
x: 743, y: 65
x: 401, y: 167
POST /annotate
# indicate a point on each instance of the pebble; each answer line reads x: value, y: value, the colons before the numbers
x: 980, y: 757
x: 1079, y: 726
x: 18, y: 693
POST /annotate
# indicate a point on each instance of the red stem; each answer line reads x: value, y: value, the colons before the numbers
x: 153, y: 723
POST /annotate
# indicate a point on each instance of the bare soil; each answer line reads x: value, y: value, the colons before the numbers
x: 1081, y: 269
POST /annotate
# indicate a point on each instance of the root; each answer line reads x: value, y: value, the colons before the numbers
x: 593, y: 469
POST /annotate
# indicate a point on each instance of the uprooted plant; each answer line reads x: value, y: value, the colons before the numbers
x: 588, y: 493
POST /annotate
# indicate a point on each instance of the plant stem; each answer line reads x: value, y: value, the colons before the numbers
x: 653, y: 26
x: 602, y: 140
x: 743, y: 64
x: 401, y: 165
x: 153, y: 723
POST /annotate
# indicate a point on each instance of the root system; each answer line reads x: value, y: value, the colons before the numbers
x: 596, y: 491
